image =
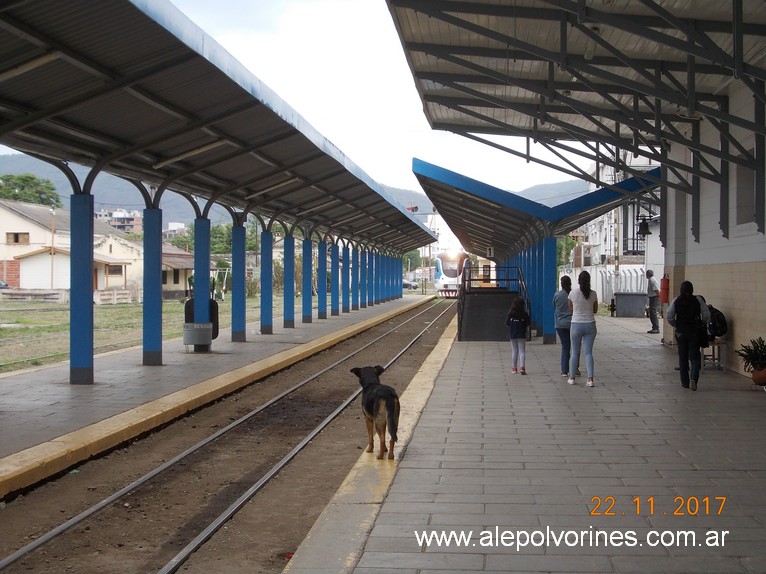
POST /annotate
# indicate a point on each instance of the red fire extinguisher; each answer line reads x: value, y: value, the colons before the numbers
x: 664, y: 289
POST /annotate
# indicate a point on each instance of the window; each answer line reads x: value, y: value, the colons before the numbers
x: 17, y: 238
x: 745, y: 207
x: 164, y: 277
x: 114, y: 270
x: 176, y: 276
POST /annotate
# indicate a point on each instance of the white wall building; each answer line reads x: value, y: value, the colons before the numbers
x: 35, y: 252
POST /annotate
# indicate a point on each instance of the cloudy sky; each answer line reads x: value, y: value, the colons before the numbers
x: 340, y: 65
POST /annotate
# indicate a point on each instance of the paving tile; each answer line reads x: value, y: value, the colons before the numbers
x: 635, y: 434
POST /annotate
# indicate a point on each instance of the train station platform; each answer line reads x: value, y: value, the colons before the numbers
x: 48, y: 424
x: 512, y: 473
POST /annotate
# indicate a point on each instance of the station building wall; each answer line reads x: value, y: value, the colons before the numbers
x: 729, y: 272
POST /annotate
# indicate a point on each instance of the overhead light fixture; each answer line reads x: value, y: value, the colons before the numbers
x: 190, y: 153
x: 273, y: 187
x: 30, y: 65
x: 319, y: 207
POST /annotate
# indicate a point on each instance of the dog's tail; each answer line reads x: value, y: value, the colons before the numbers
x: 392, y: 412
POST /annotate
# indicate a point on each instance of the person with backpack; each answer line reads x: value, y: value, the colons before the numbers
x: 685, y: 313
x: 517, y: 321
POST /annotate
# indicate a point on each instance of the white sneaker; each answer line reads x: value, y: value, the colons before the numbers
x: 571, y: 381
x: 589, y: 383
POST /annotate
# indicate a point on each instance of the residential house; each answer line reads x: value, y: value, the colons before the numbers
x: 35, y: 252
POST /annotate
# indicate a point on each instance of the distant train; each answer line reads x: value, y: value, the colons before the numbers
x: 449, y: 272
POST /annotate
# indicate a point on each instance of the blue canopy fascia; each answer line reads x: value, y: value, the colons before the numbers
x: 483, y: 216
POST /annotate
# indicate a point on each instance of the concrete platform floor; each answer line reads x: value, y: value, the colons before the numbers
x: 634, y: 475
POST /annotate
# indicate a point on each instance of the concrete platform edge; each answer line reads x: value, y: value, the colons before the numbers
x: 30, y: 466
x: 337, y: 538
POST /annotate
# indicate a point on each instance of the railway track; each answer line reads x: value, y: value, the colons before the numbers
x: 166, y: 514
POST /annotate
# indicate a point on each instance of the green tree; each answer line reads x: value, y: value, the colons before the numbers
x: 220, y: 238
x: 185, y: 241
x: 252, y: 237
x: 564, y: 246
x: 411, y: 261
x: 30, y: 189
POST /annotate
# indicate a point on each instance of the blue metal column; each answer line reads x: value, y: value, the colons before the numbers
x: 355, y: 279
x: 362, y: 278
x: 379, y: 274
x: 385, y: 292
x: 238, y: 284
x: 345, y: 279
x: 524, y: 264
x: 398, y: 277
x: 81, y: 300
x: 393, y: 280
x: 322, y: 280
x: 370, y: 278
x: 550, y: 286
x: 385, y: 278
x: 201, y: 270
x: 334, y: 280
x: 267, y: 278
x: 539, y: 288
x: 306, y: 271
x: 152, y: 305
x: 288, y: 292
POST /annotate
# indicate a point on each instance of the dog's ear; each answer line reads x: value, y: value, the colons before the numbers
x: 379, y: 370
x: 357, y: 371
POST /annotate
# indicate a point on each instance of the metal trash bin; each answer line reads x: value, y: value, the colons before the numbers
x: 198, y: 334
x: 630, y: 304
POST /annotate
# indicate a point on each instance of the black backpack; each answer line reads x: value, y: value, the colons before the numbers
x: 717, y: 325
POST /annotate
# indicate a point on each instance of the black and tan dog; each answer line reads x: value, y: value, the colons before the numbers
x: 380, y: 405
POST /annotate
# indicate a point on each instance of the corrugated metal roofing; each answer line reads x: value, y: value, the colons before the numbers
x: 598, y: 79
x: 136, y: 89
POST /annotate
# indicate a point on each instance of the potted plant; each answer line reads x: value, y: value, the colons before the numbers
x: 753, y: 358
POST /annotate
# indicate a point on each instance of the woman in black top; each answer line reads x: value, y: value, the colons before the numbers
x: 684, y: 313
x: 517, y: 321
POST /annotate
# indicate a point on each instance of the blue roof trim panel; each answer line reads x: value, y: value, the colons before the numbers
x: 484, y: 217
x: 482, y: 190
x: 602, y: 196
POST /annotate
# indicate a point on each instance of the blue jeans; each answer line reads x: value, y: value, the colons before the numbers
x: 518, y: 352
x: 688, y: 355
x: 566, y: 348
x: 583, y: 335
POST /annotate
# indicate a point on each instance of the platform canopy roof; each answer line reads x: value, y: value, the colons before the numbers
x: 487, y: 220
x: 598, y: 80
x: 134, y: 88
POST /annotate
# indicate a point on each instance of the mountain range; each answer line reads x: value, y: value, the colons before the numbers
x: 113, y: 193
